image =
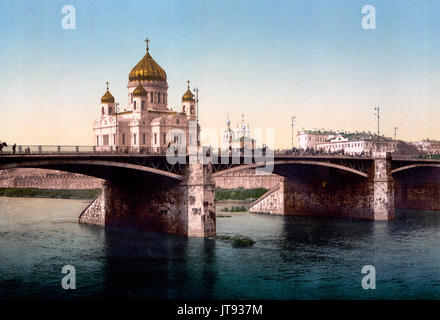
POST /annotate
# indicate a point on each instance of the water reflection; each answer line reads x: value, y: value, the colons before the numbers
x: 292, y: 258
x: 154, y: 265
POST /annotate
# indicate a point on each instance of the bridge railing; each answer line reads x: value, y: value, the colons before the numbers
x: 102, y: 150
x: 67, y: 150
x: 301, y: 152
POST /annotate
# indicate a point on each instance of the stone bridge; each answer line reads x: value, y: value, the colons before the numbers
x: 145, y: 191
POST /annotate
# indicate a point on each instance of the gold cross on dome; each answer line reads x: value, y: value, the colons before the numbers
x: 106, y: 83
x: 188, y: 83
x: 147, y: 41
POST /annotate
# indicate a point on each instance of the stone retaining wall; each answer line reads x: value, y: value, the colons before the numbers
x: 247, y: 179
x: 46, y: 179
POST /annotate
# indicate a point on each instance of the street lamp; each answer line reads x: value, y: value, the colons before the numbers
x: 377, y: 114
x: 293, y: 123
x: 116, y: 127
x: 196, y: 90
x: 395, y: 132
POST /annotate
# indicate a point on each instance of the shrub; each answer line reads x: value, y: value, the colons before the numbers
x: 239, y: 194
x: 49, y: 193
x: 242, y: 242
x: 237, y: 241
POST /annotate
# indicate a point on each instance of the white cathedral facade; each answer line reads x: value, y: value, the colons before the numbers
x: 147, y: 124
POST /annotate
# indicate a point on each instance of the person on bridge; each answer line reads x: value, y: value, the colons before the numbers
x: 2, y: 145
x: 14, y: 147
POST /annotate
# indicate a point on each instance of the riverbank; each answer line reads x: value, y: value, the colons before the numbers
x: 86, y: 194
x: 239, y: 195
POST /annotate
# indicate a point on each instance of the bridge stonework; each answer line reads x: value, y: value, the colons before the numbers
x: 329, y: 195
x: 418, y: 189
x: 94, y: 213
x: 183, y: 208
x: 145, y: 191
x: 383, y: 190
x: 272, y: 202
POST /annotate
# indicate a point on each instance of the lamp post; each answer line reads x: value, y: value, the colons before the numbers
x: 395, y: 132
x: 377, y: 114
x: 293, y: 123
x: 196, y: 90
x: 116, y: 127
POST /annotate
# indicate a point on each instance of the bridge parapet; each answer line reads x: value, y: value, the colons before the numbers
x: 76, y: 150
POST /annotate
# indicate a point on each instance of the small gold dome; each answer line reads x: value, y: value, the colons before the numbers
x: 188, y: 95
x: 140, y: 91
x: 107, y: 97
x: 147, y: 69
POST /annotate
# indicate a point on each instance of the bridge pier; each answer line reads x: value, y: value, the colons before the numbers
x: 311, y: 191
x: 383, y: 190
x: 183, y: 208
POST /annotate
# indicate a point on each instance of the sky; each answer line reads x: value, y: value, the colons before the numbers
x: 269, y: 60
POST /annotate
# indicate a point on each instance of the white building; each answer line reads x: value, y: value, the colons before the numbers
x: 356, y: 143
x: 146, y: 123
x: 309, y: 139
x: 359, y: 143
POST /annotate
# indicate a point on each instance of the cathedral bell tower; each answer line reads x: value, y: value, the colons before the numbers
x: 107, y: 103
x: 189, y: 104
x: 140, y: 98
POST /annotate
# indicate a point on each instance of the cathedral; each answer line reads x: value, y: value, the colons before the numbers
x: 147, y: 124
x: 238, y: 138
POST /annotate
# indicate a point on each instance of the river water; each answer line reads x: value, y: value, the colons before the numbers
x: 292, y: 258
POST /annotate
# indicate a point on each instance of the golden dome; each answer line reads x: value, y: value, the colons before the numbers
x: 188, y: 95
x: 147, y: 69
x: 140, y: 91
x: 107, y: 97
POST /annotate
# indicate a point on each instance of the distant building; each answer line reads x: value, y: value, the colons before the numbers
x: 239, y: 138
x: 356, y: 143
x: 147, y: 122
x: 309, y: 139
x: 428, y: 146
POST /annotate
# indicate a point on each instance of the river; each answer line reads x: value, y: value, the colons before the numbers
x: 292, y: 258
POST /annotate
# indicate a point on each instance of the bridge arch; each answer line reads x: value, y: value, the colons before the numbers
x: 87, y: 167
x: 413, y: 166
x: 292, y: 162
